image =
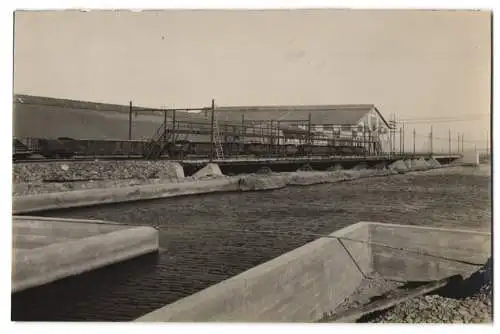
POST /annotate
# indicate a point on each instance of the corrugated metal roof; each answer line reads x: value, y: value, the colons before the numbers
x: 320, y: 114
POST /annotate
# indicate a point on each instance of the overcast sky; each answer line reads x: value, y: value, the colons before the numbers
x: 417, y: 64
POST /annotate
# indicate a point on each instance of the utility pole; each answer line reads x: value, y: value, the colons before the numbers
x: 487, y: 145
x: 458, y: 143
x: 403, y: 135
x: 309, y: 129
x: 400, y: 141
x: 242, y: 127
x: 449, y: 141
x: 173, y: 127
x: 393, y: 133
x: 432, y: 143
x: 462, y: 143
x: 414, y: 135
x: 212, y: 131
x: 130, y: 121
x: 165, y: 126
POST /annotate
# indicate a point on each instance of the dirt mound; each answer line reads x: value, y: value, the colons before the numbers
x: 399, y: 166
x: 336, y: 167
x: 433, y: 163
x: 360, y: 166
x: 381, y: 165
x: 209, y: 171
x: 259, y: 182
x: 171, y: 170
x: 419, y: 164
x: 308, y: 178
x: 305, y: 168
x: 264, y: 171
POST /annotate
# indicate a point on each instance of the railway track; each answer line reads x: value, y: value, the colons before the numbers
x: 76, y: 159
x: 238, y: 159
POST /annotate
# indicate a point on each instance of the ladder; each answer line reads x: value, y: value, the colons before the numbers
x: 219, y: 151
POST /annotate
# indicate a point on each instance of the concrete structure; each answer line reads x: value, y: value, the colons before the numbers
x: 49, y: 249
x: 188, y: 186
x: 470, y: 158
x: 87, y: 197
x: 209, y: 171
x: 302, y: 285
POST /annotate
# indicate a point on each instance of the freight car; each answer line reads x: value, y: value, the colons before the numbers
x: 19, y: 150
x: 181, y: 149
x: 65, y: 147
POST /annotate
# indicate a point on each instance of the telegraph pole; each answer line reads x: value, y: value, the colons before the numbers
x: 403, y: 137
x: 395, y: 127
x: 487, y: 145
x: 212, y: 131
x: 449, y: 141
x: 165, y: 125
x: 432, y: 144
x: 173, y: 127
x: 130, y: 121
x: 309, y: 129
x: 242, y: 126
x: 414, y: 134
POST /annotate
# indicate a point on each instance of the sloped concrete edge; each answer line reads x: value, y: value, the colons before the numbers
x: 79, y: 198
x: 298, y: 286
x: 89, y: 197
x: 34, y: 267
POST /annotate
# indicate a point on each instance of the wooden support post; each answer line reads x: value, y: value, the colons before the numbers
x: 174, y: 126
x: 165, y: 126
x: 130, y: 121
x: 212, y: 148
x: 414, y: 135
x: 432, y: 141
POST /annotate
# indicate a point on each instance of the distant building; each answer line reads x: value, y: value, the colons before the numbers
x: 360, y: 125
x: 343, y: 124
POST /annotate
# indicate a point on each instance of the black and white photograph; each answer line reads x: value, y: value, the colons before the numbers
x: 288, y: 165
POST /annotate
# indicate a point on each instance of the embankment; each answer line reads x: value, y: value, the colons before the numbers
x: 207, y: 180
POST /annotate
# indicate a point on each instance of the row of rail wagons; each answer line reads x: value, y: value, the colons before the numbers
x: 181, y: 149
x: 64, y: 147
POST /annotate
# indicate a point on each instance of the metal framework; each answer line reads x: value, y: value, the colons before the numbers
x: 274, y: 133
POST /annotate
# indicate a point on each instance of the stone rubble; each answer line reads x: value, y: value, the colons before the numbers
x: 35, y: 178
x: 435, y: 308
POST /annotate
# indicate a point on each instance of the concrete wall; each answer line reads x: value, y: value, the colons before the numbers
x: 470, y: 158
x: 404, y: 259
x: 46, y: 249
x: 60, y: 200
x: 299, y: 286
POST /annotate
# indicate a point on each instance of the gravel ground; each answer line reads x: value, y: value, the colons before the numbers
x: 470, y: 302
x: 205, y: 241
x: 87, y: 170
x: 369, y: 288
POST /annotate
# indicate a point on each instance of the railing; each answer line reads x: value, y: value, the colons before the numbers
x: 156, y: 146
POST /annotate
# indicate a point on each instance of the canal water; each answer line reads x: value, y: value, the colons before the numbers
x: 206, y: 239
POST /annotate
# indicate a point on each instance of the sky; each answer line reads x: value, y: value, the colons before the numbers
x: 415, y: 64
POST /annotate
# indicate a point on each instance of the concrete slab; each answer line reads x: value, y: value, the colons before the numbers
x: 306, y: 283
x: 469, y: 159
x: 413, y: 253
x: 48, y: 249
x: 87, y: 197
